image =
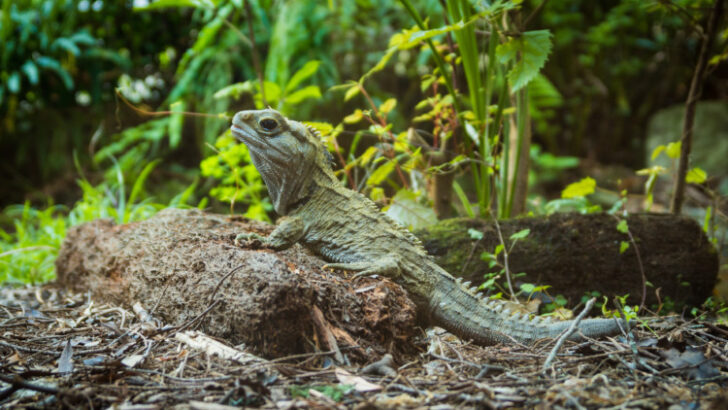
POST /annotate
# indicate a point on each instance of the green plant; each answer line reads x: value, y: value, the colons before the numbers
x: 334, y: 392
x: 29, y: 249
x: 40, y: 55
x: 239, y: 181
x: 625, y: 311
x: 574, y: 198
x: 493, y: 260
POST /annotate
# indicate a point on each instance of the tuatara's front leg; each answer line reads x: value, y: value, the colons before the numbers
x: 288, y: 231
x: 386, y: 266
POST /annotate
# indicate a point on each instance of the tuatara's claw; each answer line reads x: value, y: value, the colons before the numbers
x: 249, y: 237
x: 363, y: 269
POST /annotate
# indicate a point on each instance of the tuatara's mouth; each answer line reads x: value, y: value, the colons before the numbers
x: 238, y: 133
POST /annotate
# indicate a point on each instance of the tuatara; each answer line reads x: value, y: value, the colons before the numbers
x: 348, y: 230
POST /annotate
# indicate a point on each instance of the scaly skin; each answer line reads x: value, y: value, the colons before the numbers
x: 347, y: 229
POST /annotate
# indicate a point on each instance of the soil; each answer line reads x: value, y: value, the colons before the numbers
x: 180, y: 264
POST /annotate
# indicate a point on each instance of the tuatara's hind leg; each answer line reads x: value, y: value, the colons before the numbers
x: 386, y: 266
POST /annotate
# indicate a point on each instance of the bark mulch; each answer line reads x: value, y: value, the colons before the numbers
x: 66, y: 350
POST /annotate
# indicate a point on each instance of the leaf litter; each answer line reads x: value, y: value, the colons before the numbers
x: 66, y: 350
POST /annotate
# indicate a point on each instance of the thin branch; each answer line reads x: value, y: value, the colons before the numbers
x: 572, y: 328
x: 505, y: 259
x: 163, y: 113
x: 219, y: 283
x: 16, y: 383
x: 534, y: 13
x: 696, y: 88
x: 639, y: 263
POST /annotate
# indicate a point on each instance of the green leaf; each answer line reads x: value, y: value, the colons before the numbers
x: 623, y: 246
x: 272, y: 92
x: 13, y: 82
x: 301, y: 75
x: 696, y: 176
x: 673, y: 150
x: 368, y: 155
x: 520, y: 234
x: 139, y: 183
x: 235, y: 90
x: 543, y: 94
x: 161, y: 4
x: 351, y: 92
x: 414, y: 37
x: 387, y: 106
x: 354, y: 117
x: 312, y: 91
x: 381, y: 173
x: 176, y: 120
x: 528, y: 287
x: 707, y: 220
x: 83, y: 37
x: 528, y: 53
x: 54, y: 65
x: 579, y: 189
x: 463, y: 199
x: 622, y: 226
x: 656, y: 152
x: 475, y: 234
x: 498, y: 249
x: 67, y: 45
x: 409, y: 212
x: 31, y: 72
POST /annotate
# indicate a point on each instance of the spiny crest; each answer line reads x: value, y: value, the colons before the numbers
x: 317, y: 139
x: 315, y: 132
x: 500, y: 307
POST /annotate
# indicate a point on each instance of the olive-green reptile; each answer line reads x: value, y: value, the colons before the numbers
x: 348, y: 230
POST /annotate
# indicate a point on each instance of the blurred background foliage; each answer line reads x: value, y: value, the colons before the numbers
x: 95, y: 99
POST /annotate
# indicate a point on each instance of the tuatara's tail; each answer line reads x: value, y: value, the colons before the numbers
x: 488, y: 321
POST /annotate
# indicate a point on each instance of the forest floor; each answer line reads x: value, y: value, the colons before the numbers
x: 65, y: 350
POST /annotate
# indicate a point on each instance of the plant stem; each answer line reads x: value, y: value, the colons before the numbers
x: 254, y: 53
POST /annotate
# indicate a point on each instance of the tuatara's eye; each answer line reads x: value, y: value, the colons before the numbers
x: 268, y: 124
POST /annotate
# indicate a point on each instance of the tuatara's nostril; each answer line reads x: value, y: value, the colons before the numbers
x: 243, y: 116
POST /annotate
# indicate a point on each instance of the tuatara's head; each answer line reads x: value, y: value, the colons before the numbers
x: 285, y: 152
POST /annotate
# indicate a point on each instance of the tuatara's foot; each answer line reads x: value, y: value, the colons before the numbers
x: 386, y: 266
x: 250, y: 239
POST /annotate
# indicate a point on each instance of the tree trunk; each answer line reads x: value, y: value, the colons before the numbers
x: 575, y: 254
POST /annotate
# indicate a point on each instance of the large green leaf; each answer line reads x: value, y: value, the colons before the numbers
x: 301, y: 75
x: 66, y: 44
x: 312, y: 91
x: 235, y: 90
x: 54, y: 65
x: 528, y: 53
x: 408, y: 211
x: 161, y: 4
x: 580, y: 188
x: 83, y: 37
x: 381, y: 173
